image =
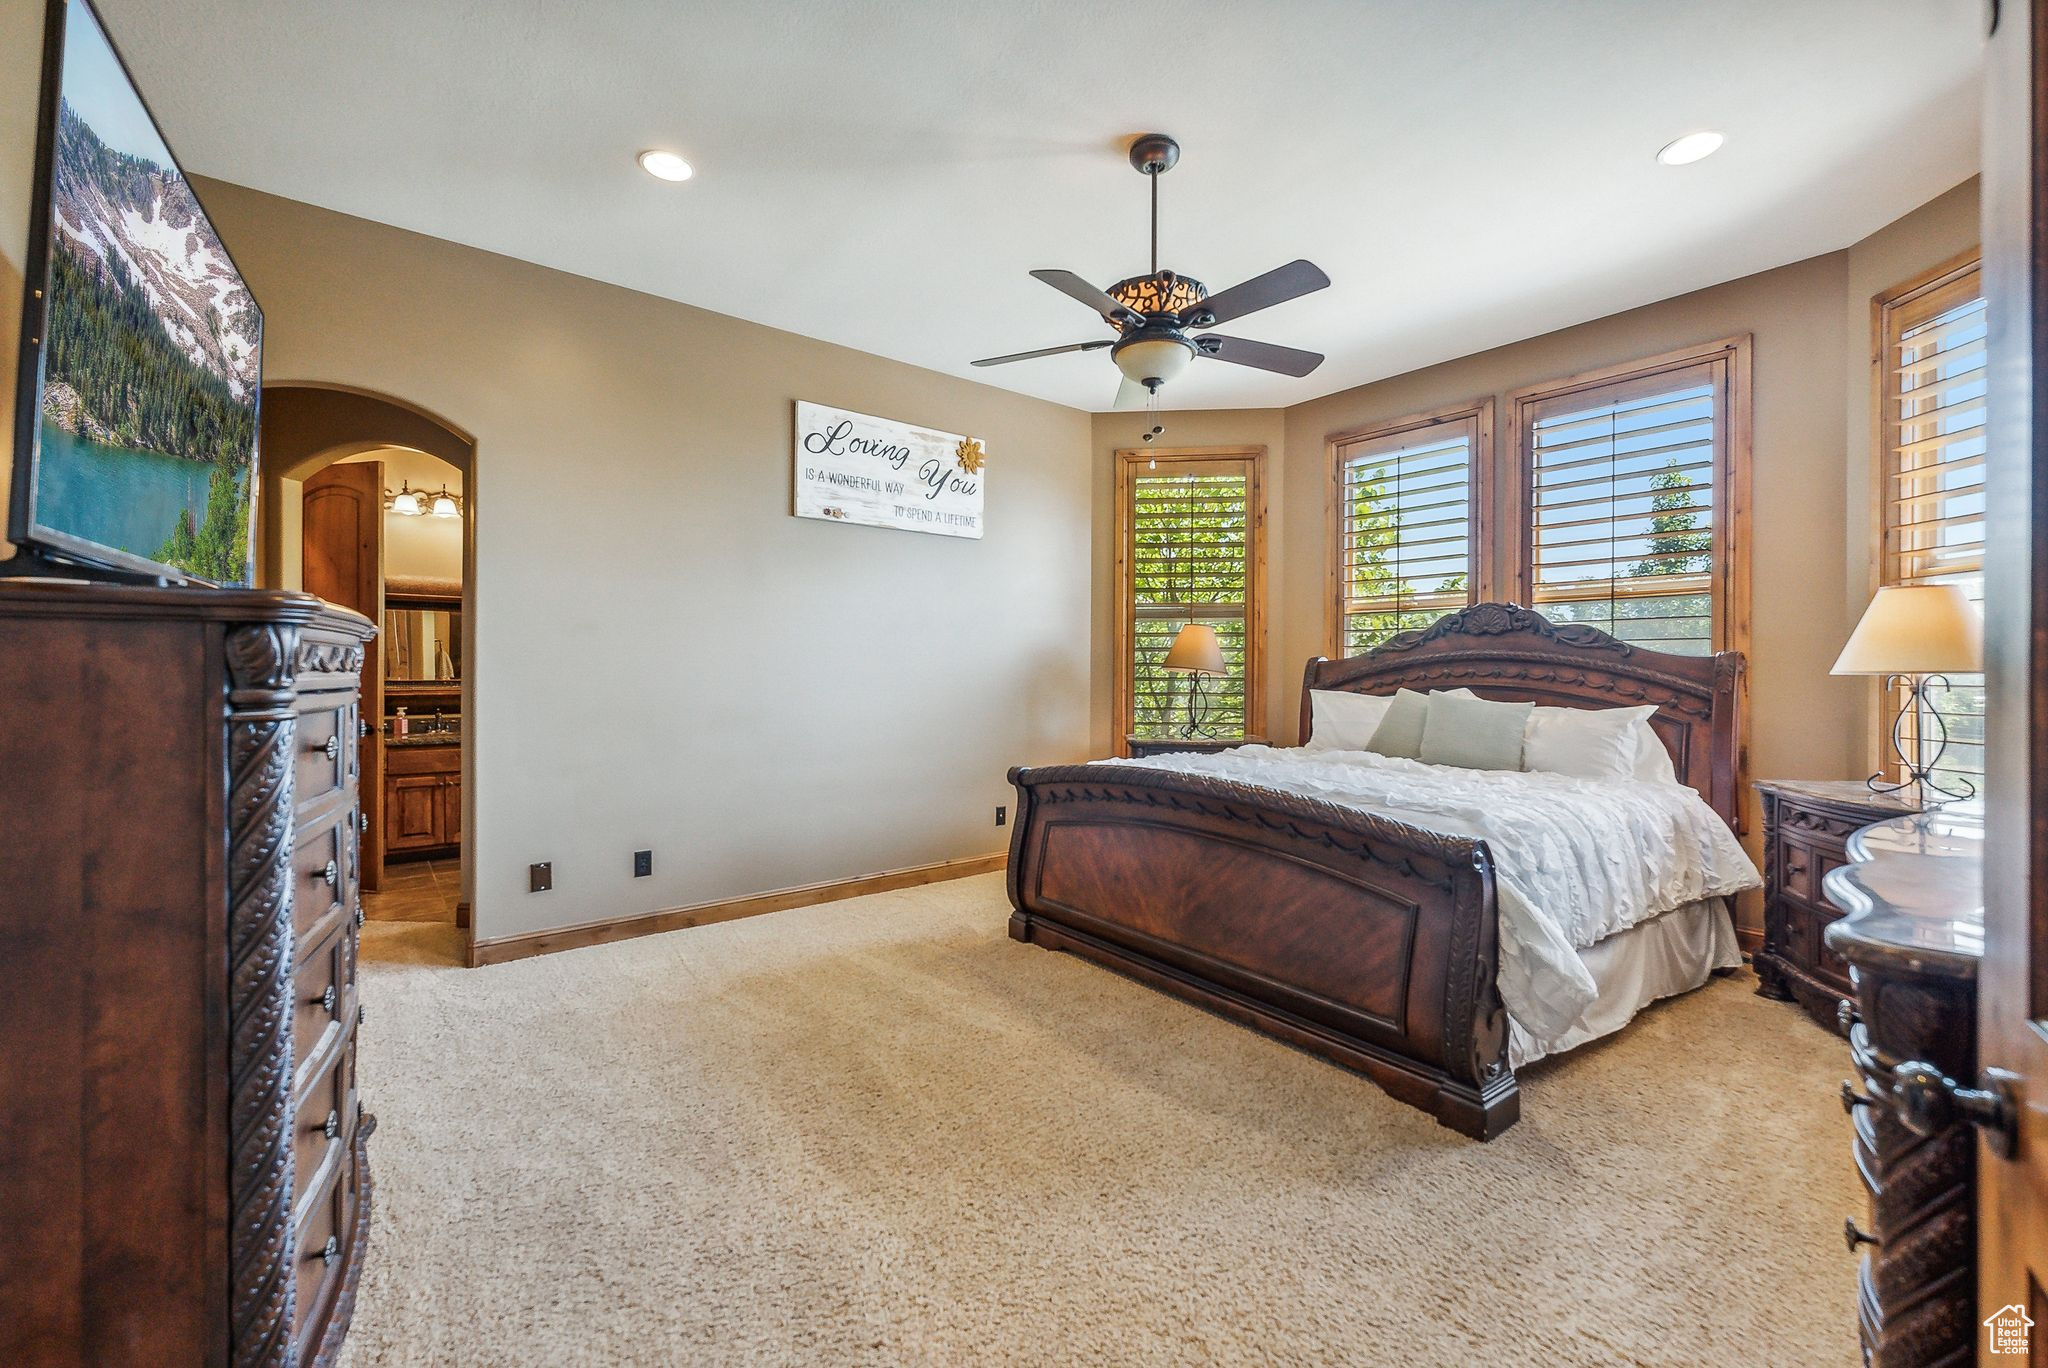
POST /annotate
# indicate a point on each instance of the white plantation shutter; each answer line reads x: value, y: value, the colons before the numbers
x: 1189, y: 556
x: 1931, y: 368
x: 1626, y: 483
x: 1408, y: 539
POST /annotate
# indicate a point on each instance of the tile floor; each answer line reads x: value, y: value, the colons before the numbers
x: 416, y: 891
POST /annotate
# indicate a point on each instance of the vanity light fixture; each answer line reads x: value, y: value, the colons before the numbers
x: 665, y: 165
x: 1690, y: 148
x: 405, y: 502
x: 445, y: 505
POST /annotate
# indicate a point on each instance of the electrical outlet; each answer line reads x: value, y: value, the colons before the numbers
x: 1002, y: 816
x: 540, y: 877
x: 643, y: 863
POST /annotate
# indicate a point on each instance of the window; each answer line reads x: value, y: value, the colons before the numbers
x: 1407, y: 523
x: 1634, y: 487
x: 1190, y: 549
x: 1930, y: 338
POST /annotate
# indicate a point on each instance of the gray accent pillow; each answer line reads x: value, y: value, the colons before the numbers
x: 1400, y: 731
x: 1473, y: 733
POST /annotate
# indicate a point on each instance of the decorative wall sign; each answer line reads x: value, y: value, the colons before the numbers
x: 854, y: 468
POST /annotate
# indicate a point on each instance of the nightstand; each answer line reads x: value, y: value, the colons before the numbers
x: 1139, y: 746
x: 1806, y: 831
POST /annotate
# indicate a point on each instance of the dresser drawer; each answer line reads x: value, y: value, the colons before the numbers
x: 321, y: 1248
x: 1797, y: 862
x: 325, y: 1118
x: 325, y: 996
x: 319, y: 875
x: 326, y: 754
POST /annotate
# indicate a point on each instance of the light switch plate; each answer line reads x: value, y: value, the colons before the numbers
x: 540, y: 877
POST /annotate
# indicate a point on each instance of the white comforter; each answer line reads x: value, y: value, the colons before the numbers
x: 1575, y: 860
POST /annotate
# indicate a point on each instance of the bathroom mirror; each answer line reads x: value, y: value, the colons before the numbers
x: 422, y: 640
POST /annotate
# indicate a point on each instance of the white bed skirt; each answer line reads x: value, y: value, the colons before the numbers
x: 1671, y: 954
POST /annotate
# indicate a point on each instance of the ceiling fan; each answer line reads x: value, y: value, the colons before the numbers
x: 1156, y: 316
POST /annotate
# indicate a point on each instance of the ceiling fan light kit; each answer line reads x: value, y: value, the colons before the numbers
x: 1155, y: 315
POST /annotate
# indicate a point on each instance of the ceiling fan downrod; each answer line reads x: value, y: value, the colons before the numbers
x: 1153, y: 156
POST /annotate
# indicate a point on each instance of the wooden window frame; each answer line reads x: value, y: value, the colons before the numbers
x: 1483, y: 581
x: 1128, y: 460
x: 1885, y: 307
x: 1729, y: 586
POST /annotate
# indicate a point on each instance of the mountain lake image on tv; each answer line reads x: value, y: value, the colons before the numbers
x: 145, y: 440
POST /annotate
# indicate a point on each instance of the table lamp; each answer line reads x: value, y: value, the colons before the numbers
x: 1913, y: 634
x: 1195, y: 652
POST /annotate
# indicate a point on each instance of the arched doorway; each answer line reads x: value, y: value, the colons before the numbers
x: 328, y: 454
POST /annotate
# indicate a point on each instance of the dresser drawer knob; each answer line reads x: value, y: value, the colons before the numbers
x: 331, y: 875
x: 1852, y: 1237
x: 1851, y: 1099
x: 333, y: 1126
x: 327, y: 1000
x: 1846, y: 1016
x: 359, y: 913
x: 362, y: 821
x: 330, y: 1250
x: 332, y: 749
x: 363, y: 726
x: 1929, y: 1102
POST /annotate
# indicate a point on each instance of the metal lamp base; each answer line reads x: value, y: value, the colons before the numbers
x: 1919, y: 771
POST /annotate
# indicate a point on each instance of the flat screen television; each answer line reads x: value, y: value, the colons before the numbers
x: 141, y: 358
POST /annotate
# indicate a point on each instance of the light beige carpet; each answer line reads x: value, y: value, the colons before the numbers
x: 879, y: 1132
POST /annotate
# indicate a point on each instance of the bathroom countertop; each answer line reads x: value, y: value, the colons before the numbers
x: 425, y: 739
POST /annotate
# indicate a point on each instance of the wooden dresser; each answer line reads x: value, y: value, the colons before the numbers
x: 1807, y: 824
x: 1913, y: 936
x: 182, y: 1174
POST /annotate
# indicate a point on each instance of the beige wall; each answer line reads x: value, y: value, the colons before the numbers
x: 1811, y: 492
x: 414, y: 548
x: 665, y: 657
x: 1935, y: 233
x: 1797, y: 713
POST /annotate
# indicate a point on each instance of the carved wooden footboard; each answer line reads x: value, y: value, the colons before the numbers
x: 1365, y: 941
x: 1369, y: 942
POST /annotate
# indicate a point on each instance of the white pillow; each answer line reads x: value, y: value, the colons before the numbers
x: 1587, y: 743
x: 1346, y: 721
x: 1653, y: 761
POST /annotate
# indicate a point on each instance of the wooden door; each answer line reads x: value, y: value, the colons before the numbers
x: 2010, y: 1102
x: 343, y: 555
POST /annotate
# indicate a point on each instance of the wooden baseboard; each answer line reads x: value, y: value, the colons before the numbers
x: 504, y: 948
x: 1750, y: 940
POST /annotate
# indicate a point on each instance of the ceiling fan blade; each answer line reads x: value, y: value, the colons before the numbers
x: 1130, y: 395
x: 1043, y: 351
x: 1276, y: 286
x: 1067, y: 283
x: 1263, y: 355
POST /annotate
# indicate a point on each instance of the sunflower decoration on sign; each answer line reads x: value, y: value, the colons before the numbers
x: 970, y: 455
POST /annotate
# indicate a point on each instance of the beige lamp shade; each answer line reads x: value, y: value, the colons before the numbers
x: 1916, y: 629
x: 1195, y: 650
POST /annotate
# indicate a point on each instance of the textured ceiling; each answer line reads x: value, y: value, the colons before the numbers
x: 882, y: 175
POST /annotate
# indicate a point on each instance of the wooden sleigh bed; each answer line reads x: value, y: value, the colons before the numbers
x: 1358, y: 938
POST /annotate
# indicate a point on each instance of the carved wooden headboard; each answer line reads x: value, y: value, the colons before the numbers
x: 1508, y: 653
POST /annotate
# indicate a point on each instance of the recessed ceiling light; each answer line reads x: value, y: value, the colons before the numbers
x: 666, y: 165
x: 1690, y: 148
